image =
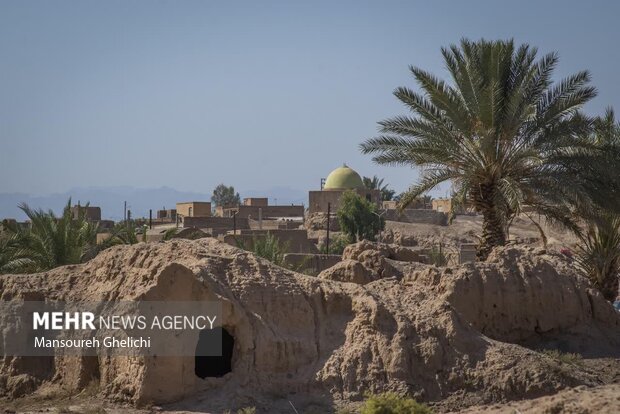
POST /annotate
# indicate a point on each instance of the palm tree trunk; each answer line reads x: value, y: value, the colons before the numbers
x: 493, y: 227
x: 609, y: 287
x: 492, y: 234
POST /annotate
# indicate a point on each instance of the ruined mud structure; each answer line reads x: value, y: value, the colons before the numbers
x: 465, y: 335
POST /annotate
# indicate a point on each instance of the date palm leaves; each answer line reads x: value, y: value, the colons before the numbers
x: 501, y: 132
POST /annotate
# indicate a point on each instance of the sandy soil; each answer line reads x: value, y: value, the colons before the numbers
x: 578, y: 400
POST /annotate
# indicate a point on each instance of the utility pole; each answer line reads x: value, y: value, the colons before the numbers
x: 150, y: 218
x: 379, y: 216
x: 329, y: 211
x: 125, y: 212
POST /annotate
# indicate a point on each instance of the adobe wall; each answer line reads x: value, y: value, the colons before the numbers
x: 199, y: 209
x: 443, y: 205
x: 275, y: 224
x: 417, y: 216
x: 170, y: 214
x: 256, y: 201
x: 318, y: 200
x: 267, y: 211
x: 91, y: 213
x: 215, y: 223
x: 297, y: 240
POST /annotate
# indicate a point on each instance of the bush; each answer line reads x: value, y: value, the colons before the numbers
x: 563, y: 357
x: 336, y: 245
x: 437, y: 256
x: 358, y: 217
x: 391, y: 403
x: 267, y: 247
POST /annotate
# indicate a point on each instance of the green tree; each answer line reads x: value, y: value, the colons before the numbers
x: 225, y: 196
x: 375, y: 183
x: 598, y: 253
x: 358, y: 217
x: 500, y: 132
x: 52, y: 241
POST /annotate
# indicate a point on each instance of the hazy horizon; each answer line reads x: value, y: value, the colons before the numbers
x: 139, y: 200
x: 190, y: 94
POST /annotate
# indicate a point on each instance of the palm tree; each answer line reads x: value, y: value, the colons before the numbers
x: 500, y: 132
x: 126, y: 232
x: 52, y: 241
x: 12, y: 256
x: 375, y: 183
x: 598, y: 254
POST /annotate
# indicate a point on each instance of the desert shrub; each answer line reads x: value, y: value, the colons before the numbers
x: 563, y: 357
x: 437, y: 255
x: 245, y: 410
x: 170, y: 233
x: 304, y: 266
x: 336, y: 244
x: 267, y: 247
x: 391, y: 403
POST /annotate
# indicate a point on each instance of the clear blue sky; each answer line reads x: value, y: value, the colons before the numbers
x: 255, y: 94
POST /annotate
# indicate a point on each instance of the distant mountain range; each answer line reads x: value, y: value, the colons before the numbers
x: 139, y: 200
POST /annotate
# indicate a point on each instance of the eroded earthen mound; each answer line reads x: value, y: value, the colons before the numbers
x: 435, y: 333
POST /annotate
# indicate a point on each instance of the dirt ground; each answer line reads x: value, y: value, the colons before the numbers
x: 604, y: 398
x: 579, y: 400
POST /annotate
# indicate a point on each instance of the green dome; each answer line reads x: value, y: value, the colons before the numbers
x: 343, y: 178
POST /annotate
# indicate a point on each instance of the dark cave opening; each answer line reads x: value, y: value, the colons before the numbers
x: 213, y: 366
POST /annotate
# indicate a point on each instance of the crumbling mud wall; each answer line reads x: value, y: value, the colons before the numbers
x: 433, y: 333
x: 525, y: 295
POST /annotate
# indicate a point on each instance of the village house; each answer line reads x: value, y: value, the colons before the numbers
x: 167, y: 215
x: 443, y: 205
x: 258, y: 208
x: 91, y: 213
x: 194, y: 209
